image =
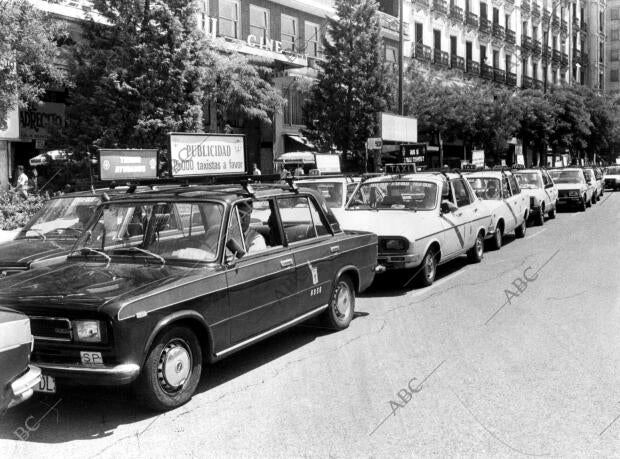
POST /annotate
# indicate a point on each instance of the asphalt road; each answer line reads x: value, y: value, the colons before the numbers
x: 469, y: 366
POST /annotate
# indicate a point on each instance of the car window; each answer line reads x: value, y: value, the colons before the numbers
x: 505, y: 188
x: 256, y: 220
x: 298, y: 220
x: 395, y: 194
x: 460, y: 192
x: 567, y: 176
x: 514, y: 186
x: 528, y: 180
x: 485, y: 187
x: 546, y: 179
x: 332, y: 192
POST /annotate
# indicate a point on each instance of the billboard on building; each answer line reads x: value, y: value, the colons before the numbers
x: 117, y: 164
x: 38, y: 121
x: 194, y: 155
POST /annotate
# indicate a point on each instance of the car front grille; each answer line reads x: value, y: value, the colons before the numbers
x: 51, y: 329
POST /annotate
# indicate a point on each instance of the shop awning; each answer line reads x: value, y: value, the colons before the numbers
x: 300, y: 140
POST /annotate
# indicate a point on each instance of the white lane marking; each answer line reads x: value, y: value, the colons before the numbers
x: 536, y: 234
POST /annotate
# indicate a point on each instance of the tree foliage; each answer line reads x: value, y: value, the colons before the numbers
x: 354, y: 83
x: 150, y: 71
x: 28, y: 50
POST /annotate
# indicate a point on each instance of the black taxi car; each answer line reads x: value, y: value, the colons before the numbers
x: 18, y: 379
x: 162, y: 281
x: 50, y: 234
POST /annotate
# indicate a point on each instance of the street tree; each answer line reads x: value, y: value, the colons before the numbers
x: 150, y: 71
x: 572, y: 124
x: 29, y: 44
x: 536, y: 121
x: 353, y: 84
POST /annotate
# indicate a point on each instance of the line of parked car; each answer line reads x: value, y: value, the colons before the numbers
x: 149, y: 285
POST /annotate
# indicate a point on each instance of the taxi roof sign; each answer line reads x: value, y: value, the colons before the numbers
x: 400, y: 168
x: 127, y: 164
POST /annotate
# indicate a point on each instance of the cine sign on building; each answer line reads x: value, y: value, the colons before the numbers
x: 207, y: 154
x: 117, y: 164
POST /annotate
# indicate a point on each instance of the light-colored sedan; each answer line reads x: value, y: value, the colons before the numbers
x: 573, y: 188
x: 542, y: 191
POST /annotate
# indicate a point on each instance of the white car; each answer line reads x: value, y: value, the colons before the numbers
x: 538, y: 185
x: 422, y: 220
x: 336, y: 190
x: 573, y: 188
x: 612, y: 177
x: 501, y: 195
x: 597, y: 187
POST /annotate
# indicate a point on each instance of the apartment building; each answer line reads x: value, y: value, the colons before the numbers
x: 517, y: 43
x: 612, y: 48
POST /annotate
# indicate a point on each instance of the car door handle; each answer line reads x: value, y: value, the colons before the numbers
x: 288, y: 262
x: 460, y: 214
x: 476, y: 209
x: 334, y: 249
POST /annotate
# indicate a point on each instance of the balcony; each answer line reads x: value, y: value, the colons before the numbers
x: 557, y: 56
x: 546, y: 54
x: 510, y: 2
x: 472, y: 67
x: 564, y: 61
x: 564, y: 28
x: 471, y: 19
x: 511, y: 36
x: 499, y: 75
x: 536, y: 48
x: 585, y: 59
x: 440, y: 58
x: 546, y: 15
x: 485, y: 26
x: 576, y: 56
x: 511, y: 79
x: 526, y: 42
x: 527, y: 82
x: 498, y: 31
x: 390, y: 26
x: 555, y: 25
x: 537, y: 84
x: 421, y: 3
x: 456, y: 13
x: 486, y: 71
x: 576, y: 24
x: 525, y: 6
x: 457, y: 62
x: 440, y: 7
x: 535, y: 11
x: 584, y: 26
x: 422, y: 52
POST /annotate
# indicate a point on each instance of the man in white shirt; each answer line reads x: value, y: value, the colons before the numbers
x: 21, y: 185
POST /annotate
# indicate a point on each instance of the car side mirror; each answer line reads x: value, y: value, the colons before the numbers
x: 549, y: 185
x: 447, y: 207
x: 235, y: 248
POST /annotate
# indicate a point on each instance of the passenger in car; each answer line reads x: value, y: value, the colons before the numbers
x: 254, y: 241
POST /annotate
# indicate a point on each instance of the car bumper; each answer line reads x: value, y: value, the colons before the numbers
x: 391, y: 262
x: 96, y: 376
x: 23, y: 387
x: 568, y: 200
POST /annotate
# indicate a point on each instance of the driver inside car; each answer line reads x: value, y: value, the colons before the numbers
x: 84, y: 214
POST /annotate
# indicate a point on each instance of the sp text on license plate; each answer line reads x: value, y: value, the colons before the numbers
x: 91, y: 358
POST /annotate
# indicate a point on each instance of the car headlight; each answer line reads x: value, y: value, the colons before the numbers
x: 573, y: 193
x: 396, y: 244
x: 87, y: 331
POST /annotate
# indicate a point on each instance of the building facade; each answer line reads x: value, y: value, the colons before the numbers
x: 612, y: 48
x: 518, y: 43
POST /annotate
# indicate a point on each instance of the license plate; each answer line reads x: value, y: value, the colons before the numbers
x: 47, y: 385
x: 91, y: 358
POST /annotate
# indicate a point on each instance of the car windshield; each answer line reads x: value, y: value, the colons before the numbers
x: 589, y: 174
x: 160, y: 231
x: 61, y: 218
x: 486, y: 187
x: 613, y: 170
x: 529, y: 180
x: 332, y: 192
x: 567, y: 176
x: 411, y: 195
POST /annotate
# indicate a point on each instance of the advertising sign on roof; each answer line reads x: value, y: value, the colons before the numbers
x: 207, y: 154
x: 120, y: 164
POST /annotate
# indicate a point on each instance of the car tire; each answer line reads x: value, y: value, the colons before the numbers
x: 588, y: 202
x: 339, y: 313
x: 540, y: 216
x: 171, y: 371
x: 594, y: 198
x: 496, y: 241
x: 583, y: 205
x: 520, y: 230
x: 553, y: 211
x: 476, y: 253
x: 428, y: 269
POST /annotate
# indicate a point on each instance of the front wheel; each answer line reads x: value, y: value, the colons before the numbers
x: 553, y: 211
x: 476, y: 252
x: 172, y: 370
x: 426, y: 277
x: 540, y: 216
x: 588, y: 202
x: 583, y: 205
x: 339, y: 313
x: 496, y: 242
x: 594, y: 198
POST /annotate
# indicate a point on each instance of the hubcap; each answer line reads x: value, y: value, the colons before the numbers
x: 343, y: 301
x: 175, y: 366
x: 479, y: 246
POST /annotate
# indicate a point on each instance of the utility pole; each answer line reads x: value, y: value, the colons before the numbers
x: 401, y: 106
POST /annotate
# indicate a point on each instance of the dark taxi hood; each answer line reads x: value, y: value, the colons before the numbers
x: 93, y: 286
x: 22, y: 252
